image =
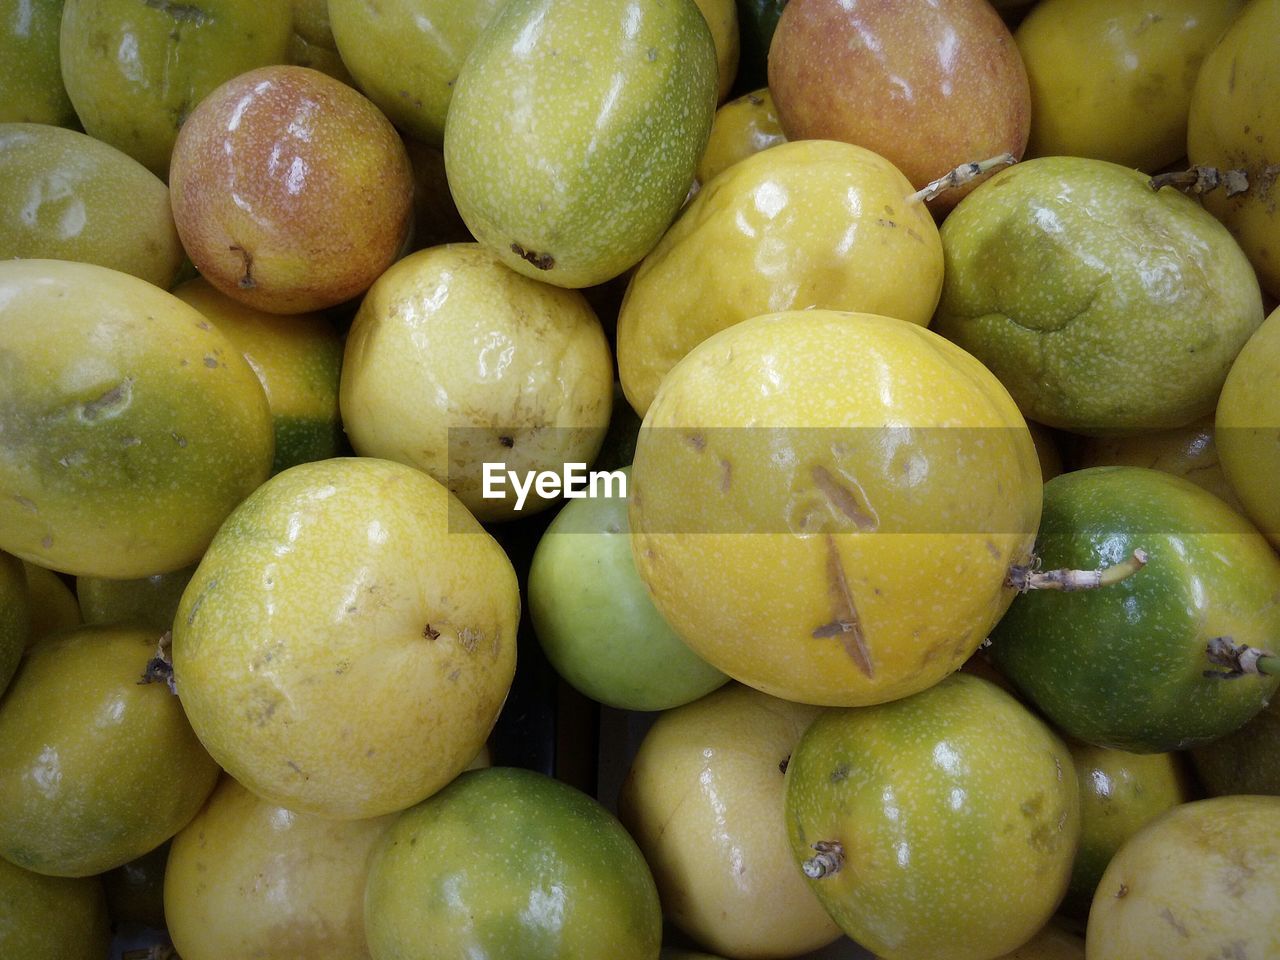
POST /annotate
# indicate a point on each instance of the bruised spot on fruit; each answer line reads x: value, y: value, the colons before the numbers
x: 992, y: 549
x: 542, y: 261
x: 507, y: 441
x: 840, y: 774
x: 846, y: 625
x: 210, y: 362
x: 844, y: 499
x: 784, y: 763
x: 26, y: 503
x: 110, y: 404
x: 697, y: 441
x: 182, y: 12
x: 246, y: 282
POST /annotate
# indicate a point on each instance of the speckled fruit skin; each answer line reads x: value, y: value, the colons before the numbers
x: 815, y: 223
x: 929, y: 91
x: 348, y: 639
x: 31, y: 89
x: 741, y: 127
x: 15, y: 616
x: 1101, y: 305
x: 405, y: 54
x: 1113, y: 81
x: 958, y: 814
x: 95, y: 768
x: 52, y: 918
x: 786, y: 536
x: 1124, y: 666
x: 1198, y: 882
x: 506, y: 862
x: 131, y: 425
x: 77, y: 198
x: 703, y: 798
x: 454, y: 360
x: 722, y: 19
x: 1247, y: 427
x: 575, y: 129
x: 135, y: 69
x: 1120, y: 792
x: 297, y: 358
x: 1234, y: 123
x: 247, y: 878
x: 290, y: 190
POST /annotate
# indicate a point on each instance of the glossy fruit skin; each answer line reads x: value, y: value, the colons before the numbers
x: 1120, y: 792
x: 703, y: 798
x: 769, y: 509
x: 813, y: 223
x: 454, y: 360
x: 1124, y: 666
x: 1113, y: 82
x: 348, y: 638
x: 1248, y: 427
x: 291, y: 192
x: 1245, y: 760
x: 405, y: 55
x: 741, y: 128
x: 149, y: 600
x: 929, y: 92
x: 1234, y: 123
x: 507, y: 862
x: 135, y: 71
x: 575, y: 129
x: 297, y: 358
x: 95, y: 768
x: 69, y: 189
x: 51, y: 918
x: 594, y: 618
x: 1086, y: 293
x: 722, y: 19
x: 247, y: 878
x: 958, y: 814
x: 31, y: 89
x: 133, y: 426
x: 1198, y: 882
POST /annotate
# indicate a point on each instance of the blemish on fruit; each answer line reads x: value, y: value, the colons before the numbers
x: 843, y: 499
x: 210, y: 362
x: 726, y: 475
x: 542, y: 261
x: 246, y: 281
x: 179, y: 439
x: 846, y: 625
x: 182, y: 12
x: 506, y: 441
x: 697, y: 441
x: 784, y: 763
x: 430, y: 633
x: 1122, y: 892
x: 111, y: 403
x: 1179, y: 927
x: 25, y: 503
x: 840, y: 774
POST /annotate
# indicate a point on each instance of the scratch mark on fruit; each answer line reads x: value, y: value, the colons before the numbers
x: 1167, y: 915
x: 726, y: 475
x: 470, y: 638
x: 843, y: 499
x: 246, y: 282
x: 846, y: 625
x: 25, y: 503
x: 183, y: 12
x: 110, y: 404
x: 296, y: 769
x: 542, y: 261
x: 178, y: 438
x: 840, y: 773
x: 46, y: 541
x: 130, y: 441
x: 210, y: 362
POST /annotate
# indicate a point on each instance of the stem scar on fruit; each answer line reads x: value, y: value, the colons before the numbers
x: 827, y: 859
x: 246, y: 282
x: 543, y: 261
x: 160, y: 667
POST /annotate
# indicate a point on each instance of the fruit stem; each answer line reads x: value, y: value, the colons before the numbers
x: 1024, y: 577
x: 1199, y: 180
x: 960, y: 176
x: 827, y: 859
x: 160, y: 667
x: 1239, y: 659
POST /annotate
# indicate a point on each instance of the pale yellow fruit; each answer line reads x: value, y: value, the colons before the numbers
x: 704, y: 801
x: 812, y: 223
x: 247, y: 878
x: 722, y: 18
x: 826, y: 505
x: 742, y: 127
x: 348, y: 639
x: 455, y: 360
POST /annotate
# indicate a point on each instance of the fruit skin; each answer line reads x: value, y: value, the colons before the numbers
x: 741, y: 127
x: 405, y: 54
x: 247, y: 878
x: 51, y: 918
x: 1245, y: 760
x: 31, y: 89
x: 15, y: 616
x: 958, y: 814
x: 1051, y: 943
x: 1113, y: 82
x: 291, y: 192
x: 297, y: 358
x: 1234, y: 123
x: 1198, y: 882
x: 1124, y: 666
x: 762, y: 470
x: 454, y: 360
x: 507, y: 862
x: 132, y: 426
x: 1120, y: 792
x: 68, y: 187
x: 575, y: 129
x: 722, y: 19
x: 150, y: 600
x: 348, y: 638
x: 53, y: 605
x: 929, y: 92
x: 594, y: 618
x: 703, y: 798
x: 1088, y: 295
x: 814, y: 223
x: 135, y: 71
x: 95, y: 768
x: 1247, y: 427
x: 135, y: 890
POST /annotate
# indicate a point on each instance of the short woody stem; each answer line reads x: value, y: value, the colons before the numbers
x: 1239, y: 660
x: 1201, y: 180
x: 1026, y: 577
x: 827, y: 859
x: 960, y: 176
